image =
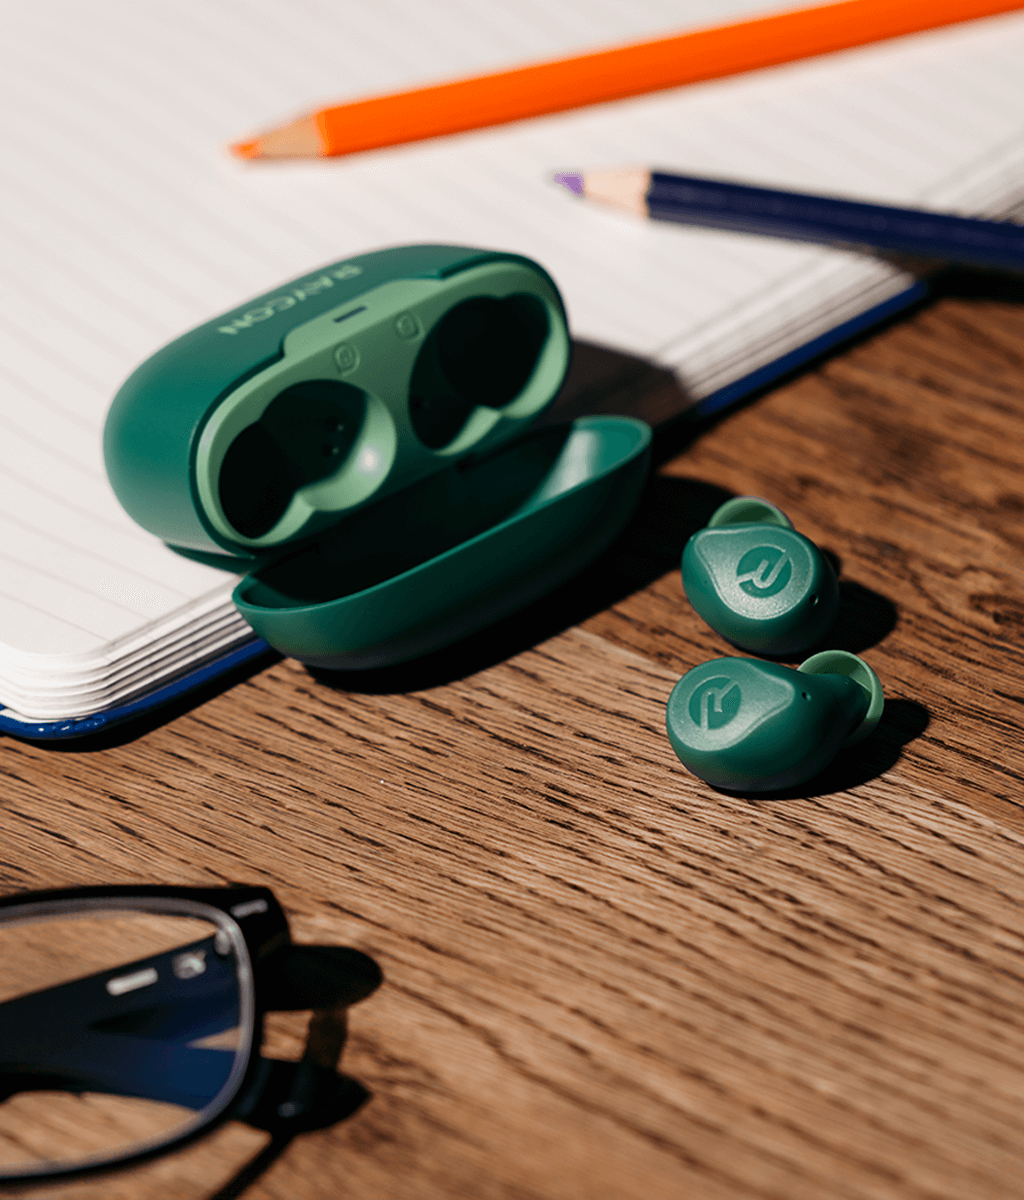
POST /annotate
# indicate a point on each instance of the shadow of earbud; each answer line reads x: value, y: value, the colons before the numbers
x: 865, y: 618
x: 902, y: 721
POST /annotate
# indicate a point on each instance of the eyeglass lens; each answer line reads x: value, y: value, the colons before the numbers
x: 117, y: 1028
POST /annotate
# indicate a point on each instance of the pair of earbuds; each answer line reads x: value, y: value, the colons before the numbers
x: 747, y: 725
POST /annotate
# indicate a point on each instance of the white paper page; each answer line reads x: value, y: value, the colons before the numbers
x: 112, y: 114
x: 124, y: 223
x: 104, y: 258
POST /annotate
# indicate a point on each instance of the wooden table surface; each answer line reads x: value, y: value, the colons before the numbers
x: 601, y: 977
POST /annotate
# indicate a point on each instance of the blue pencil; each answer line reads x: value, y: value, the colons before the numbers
x: 849, y: 224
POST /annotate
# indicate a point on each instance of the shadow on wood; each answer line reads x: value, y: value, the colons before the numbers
x: 866, y: 617
x: 902, y: 722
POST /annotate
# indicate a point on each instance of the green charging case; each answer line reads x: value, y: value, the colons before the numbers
x: 358, y: 441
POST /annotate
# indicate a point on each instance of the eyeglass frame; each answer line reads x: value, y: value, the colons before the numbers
x: 302, y: 977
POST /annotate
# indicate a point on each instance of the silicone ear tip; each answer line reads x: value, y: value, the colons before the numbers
x: 748, y: 510
x: 842, y: 662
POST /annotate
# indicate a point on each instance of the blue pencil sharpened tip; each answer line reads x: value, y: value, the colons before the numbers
x: 570, y: 180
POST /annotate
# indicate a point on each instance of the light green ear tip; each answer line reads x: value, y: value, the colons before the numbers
x: 842, y: 662
x: 748, y: 510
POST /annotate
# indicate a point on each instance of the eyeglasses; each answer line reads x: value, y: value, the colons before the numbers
x: 131, y: 1021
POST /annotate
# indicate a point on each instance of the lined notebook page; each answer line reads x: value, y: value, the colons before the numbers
x: 124, y: 223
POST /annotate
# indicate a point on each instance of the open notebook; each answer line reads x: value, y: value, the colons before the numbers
x: 124, y: 223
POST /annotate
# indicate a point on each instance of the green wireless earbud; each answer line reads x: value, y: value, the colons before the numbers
x: 758, y: 582
x: 756, y: 726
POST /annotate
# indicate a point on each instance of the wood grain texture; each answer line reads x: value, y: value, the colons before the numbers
x: 603, y: 978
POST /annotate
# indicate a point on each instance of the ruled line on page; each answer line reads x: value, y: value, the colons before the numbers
x: 123, y: 654
x: 58, y: 689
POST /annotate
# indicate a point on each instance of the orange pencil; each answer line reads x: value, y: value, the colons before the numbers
x: 632, y: 70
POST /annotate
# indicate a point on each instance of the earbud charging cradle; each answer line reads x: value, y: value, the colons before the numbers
x: 358, y: 442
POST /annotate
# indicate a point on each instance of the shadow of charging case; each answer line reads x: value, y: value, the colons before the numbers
x: 358, y: 442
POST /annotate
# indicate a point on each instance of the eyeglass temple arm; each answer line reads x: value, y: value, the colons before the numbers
x: 326, y: 979
x: 95, y: 1037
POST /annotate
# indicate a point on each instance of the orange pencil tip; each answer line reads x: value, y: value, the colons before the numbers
x: 246, y: 149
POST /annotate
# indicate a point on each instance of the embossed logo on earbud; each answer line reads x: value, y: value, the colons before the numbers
x: 764, y: 571
x: 715, y: 702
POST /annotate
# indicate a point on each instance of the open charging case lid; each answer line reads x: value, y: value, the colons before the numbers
x: 358, y: 441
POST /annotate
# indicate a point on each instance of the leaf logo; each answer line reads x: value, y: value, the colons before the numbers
x: 715, y: 702
x: 764, y: 571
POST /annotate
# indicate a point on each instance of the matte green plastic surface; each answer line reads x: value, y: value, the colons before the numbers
x: 746, y: 725
x: 267, y: 424
x: 394, y: 583
x: 758, y: 582
x: 842, y: 662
